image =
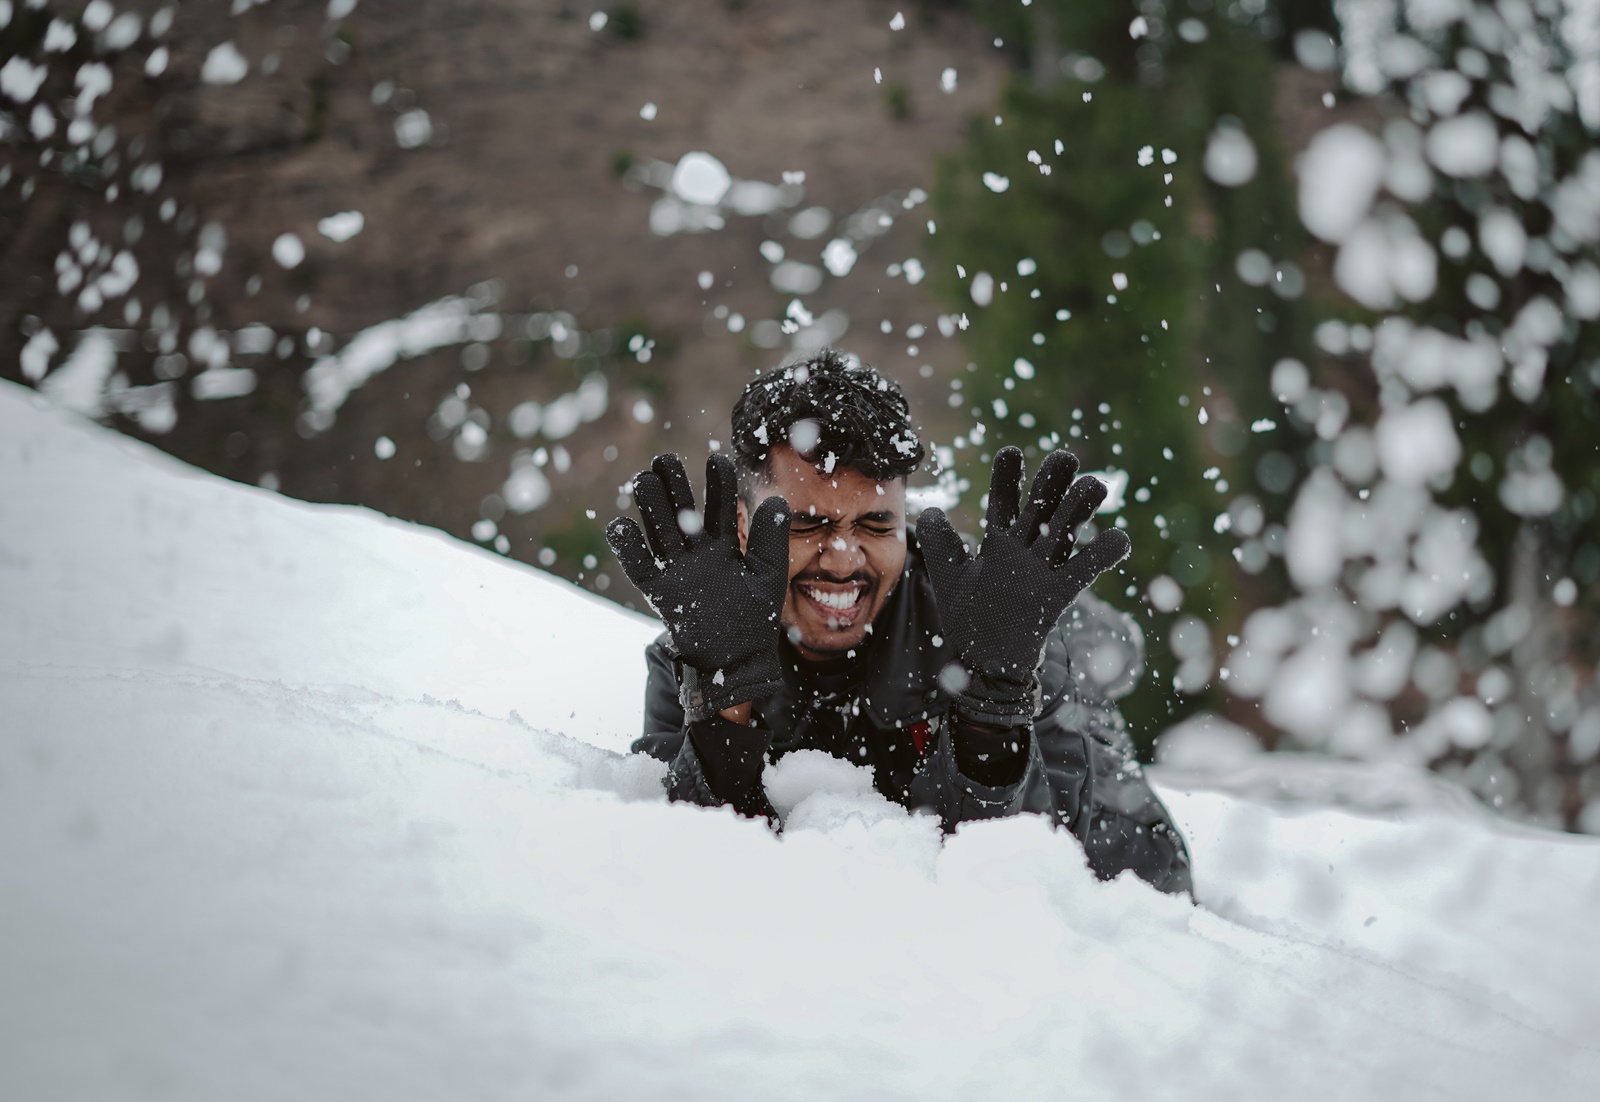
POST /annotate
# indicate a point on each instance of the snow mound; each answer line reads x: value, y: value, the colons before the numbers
x: 299, y: 801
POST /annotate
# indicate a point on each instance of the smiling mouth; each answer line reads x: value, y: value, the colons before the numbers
x: 837, y: 604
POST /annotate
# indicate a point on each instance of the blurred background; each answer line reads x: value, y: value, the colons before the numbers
x: 1313, y: 283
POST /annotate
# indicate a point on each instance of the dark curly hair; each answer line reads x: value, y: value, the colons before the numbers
x: 860, y: 418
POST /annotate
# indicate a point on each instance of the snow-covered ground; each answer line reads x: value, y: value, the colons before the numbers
x: 301, y: 802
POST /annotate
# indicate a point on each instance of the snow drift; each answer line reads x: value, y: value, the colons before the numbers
x: 304, y: 802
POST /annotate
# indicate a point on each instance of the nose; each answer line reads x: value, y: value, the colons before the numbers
x: 840, y: 556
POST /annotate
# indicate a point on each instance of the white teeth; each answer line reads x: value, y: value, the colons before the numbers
x: 835, y: 600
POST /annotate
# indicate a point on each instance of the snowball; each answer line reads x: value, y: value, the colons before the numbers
x: 1445, y: 90
x: 1290, y: 378
x: 804, y: 773
x: 995, y: 182
x: 224, y: 65
x: 1165, y: 595
x: 1583, y: 290
x: 792, y: 277
x: 1384, y: 259
x: 1519, y: 164
x: 1230, y: 157
x: 343, y: 226
x: 1467, y: 145
x: 414, y: 129
x: 93, y: 81
x: 1253, y: 267
x: 1340, y: 174
x: 60, y: 36
x: 123, y: 32
x: 1417, y: 442
x: 527, y: 488
x: 20, y: 79
x: 839, y: 256
x: 753, y: 198
x: 1315, y: 49
x: 1503, y: 238
x: 288, y: 251
x: 811, y: 223
x: 804, y: 436
x: 1206, y: 743
x: 983, y: 288
x: 700, y: 178
x: 36, y: 354
x: 1312, y: 550
x: 1310, y: 692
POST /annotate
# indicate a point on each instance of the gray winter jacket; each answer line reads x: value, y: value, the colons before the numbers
x: 885, y: 709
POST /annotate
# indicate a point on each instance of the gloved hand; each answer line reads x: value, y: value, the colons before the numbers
x: 720, y: 606
x: 998, y: 606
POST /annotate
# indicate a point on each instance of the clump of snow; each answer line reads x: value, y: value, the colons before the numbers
x: 343, y: 226
x: 793, y: 277
x: 1384, y: 260
x: 79, y: 383
x: 700, y: 178
x: 1417, y: 442
x: 413, y: 129
x: 1466, y: 145
x: 1230, y: 157
x: 331, y: 378
x: 288, y: 250
x: 36, y: 354
x: 224, y: 65
x: 1340, y: 175
x: 20, y: 79
x: 838, y: 256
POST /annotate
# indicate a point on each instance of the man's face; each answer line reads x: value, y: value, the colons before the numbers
x: 847, y: 547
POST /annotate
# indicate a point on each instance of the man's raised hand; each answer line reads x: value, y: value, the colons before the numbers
x: 720, y: 606
x: 998, y: 606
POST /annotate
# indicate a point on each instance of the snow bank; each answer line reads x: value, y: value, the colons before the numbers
x: 269, y: 828
x: 113, y: 555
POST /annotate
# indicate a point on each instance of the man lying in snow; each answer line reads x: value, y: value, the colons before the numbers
x: 973, y: 685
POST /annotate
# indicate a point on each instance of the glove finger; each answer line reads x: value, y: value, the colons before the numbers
x: 1096, y: 557
x: 722, y: 507
x: 660, y: 516
x: 1054, y: 476
x: 767, y: 550
x: 669, y: 468
x: 942, y: 549
x: 1081, y: 501
x: 627, y: 544
x: 1005, y: 488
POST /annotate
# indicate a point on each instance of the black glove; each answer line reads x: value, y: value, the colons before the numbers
x: 998, y: 606
x: 720, y: 606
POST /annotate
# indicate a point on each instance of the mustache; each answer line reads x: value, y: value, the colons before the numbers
x: 860, y: 576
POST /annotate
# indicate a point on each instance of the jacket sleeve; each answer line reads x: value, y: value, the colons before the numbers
x: 1001, y: 775
x: 1091, y: 659
x: 710, y: 762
